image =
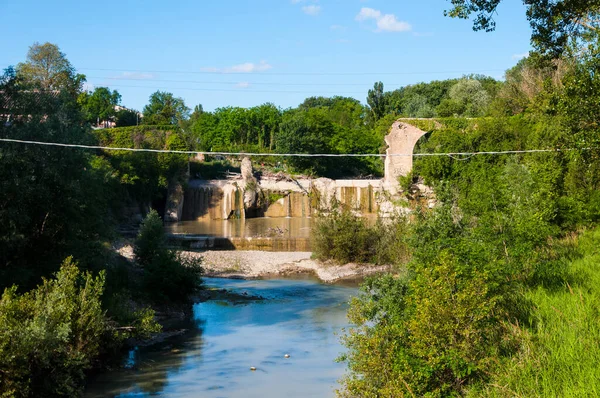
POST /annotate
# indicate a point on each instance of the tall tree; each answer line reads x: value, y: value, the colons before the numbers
x: 48, y: 68
x: 51, y: 200
x: 164, y: 108
x: 376, y: 100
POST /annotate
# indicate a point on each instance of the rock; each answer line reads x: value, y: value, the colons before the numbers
x: 251, y: 185
x: 252, y: 368
x: 250, y: 198
x: 246, y: 169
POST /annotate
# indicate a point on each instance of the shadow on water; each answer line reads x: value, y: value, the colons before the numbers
x: 147, y: 370
x: 297, y: 317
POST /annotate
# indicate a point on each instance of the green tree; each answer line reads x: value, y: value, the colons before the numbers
x: 305, y: 131
x: 553, y: 22
x: 466, y: 98
x: 49, y: 69
x: 265, y: 119
x: 163, y: 108
x: 417, y: 106
x: 376, y: 100
x: 51, y: 203
x: 100, y: 104
x: 127, y: 117
x: 51, y: 335
x: 167, y: 276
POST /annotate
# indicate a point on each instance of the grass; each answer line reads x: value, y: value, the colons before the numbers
x: 560, y: 355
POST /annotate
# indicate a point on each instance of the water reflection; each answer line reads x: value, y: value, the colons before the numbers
x: 293, y: 227
x: 299, y: 318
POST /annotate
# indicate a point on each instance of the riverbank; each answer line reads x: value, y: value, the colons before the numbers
x: 253, y: 264
x: 260, y: 264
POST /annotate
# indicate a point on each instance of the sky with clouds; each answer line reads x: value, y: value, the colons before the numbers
x: 245, y: 53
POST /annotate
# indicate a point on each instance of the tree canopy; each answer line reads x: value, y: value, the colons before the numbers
x: 100, y: 104
x: 164, y: 108
x: 553, y: 22
x: 48, y: 68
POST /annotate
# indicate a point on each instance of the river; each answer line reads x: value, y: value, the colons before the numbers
x: 300, y: 318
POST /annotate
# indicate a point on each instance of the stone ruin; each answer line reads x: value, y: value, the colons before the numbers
x: 401, y: 142
x: 220, y: 199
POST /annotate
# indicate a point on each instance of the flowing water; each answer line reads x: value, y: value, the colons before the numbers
x: 288, y: 227
x: 297, y: 317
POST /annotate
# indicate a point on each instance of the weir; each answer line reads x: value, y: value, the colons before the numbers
x: 215, y: 214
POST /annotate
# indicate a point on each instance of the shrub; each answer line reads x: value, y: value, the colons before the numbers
x: 150, y: 241
x: 171, y: 277
x: 167, y: 275
x: 423, y: 335
x: 345, y: 237
x: 51, y: 335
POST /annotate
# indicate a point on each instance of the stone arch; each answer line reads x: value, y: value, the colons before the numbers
x: 400, y: 141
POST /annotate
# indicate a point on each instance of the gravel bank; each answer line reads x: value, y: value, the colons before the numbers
x: 256, y: 264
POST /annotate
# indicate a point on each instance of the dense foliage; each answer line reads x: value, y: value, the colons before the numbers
x: 52, y: 335
x: 51, y: 204
x: 61, y: 202
x: 167, y: 275
x: 475, y: 311
x: 347, y: 238
x: 337, y: 124
x: 99, y: 105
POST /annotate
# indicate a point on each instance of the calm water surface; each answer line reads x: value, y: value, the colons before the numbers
x: 298, y: 317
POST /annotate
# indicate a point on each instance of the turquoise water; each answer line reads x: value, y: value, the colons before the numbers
x: 298, y: 317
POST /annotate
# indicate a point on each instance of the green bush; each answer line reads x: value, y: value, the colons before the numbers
x: 167, y: 275
x: 51, y: 335
x: 151, y: 240
x: 344, y: 237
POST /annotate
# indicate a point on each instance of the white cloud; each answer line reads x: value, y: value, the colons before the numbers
x: 311, y: 10
x: 389, y: 23
x: 296, y: 1
x: 519, y: 56
x: 385, y: 22
x: 248, y: 67
x: 368, y: 13
x: 243, y: 85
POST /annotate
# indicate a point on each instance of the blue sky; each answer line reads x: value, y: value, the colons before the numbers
x: 245, y: 53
